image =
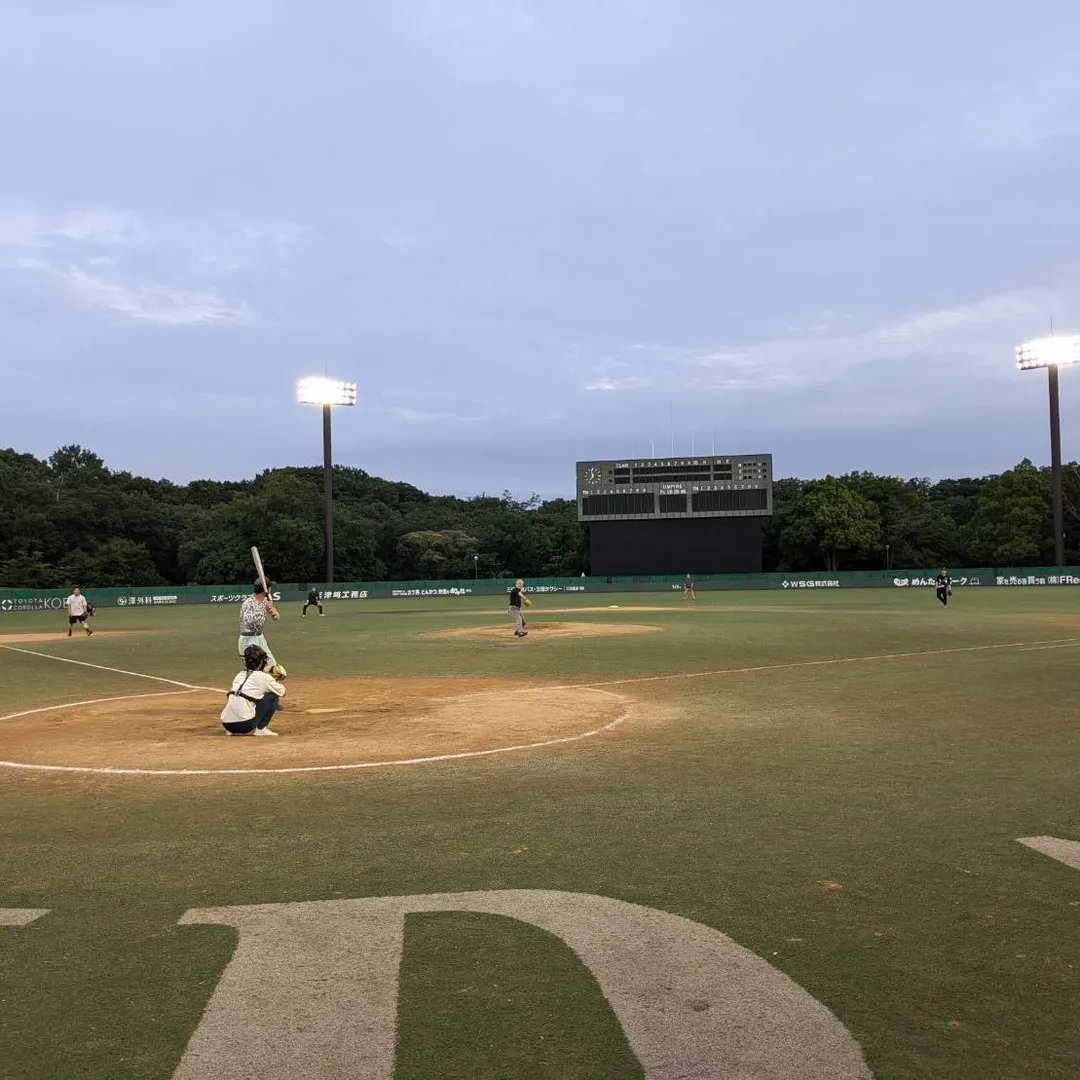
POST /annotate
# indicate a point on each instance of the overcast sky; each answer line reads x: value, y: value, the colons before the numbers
x: 534, y: 230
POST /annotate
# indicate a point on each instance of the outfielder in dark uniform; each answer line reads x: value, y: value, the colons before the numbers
x: 944, y: 586
x: 313, y: 600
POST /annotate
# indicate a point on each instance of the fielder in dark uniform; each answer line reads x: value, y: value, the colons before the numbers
x: 944, y: 586
x: 313, y: 600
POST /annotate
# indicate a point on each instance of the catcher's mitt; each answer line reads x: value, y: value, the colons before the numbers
x: 276, y: 671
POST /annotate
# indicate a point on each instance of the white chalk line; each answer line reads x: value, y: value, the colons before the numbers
x: 599, y: 687
x: 97, y: 701
x: 1019, y: 646
x: 115, y: 670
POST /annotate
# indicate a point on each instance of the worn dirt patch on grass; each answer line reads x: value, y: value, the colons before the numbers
x: 1063, y: 618
x: 541, y: 631
x: 326, y: 722
x: 38, y: 638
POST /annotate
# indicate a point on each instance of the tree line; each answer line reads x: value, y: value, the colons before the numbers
x: 71, y: 519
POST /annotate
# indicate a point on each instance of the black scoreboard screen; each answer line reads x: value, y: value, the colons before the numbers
x: 656, y: 488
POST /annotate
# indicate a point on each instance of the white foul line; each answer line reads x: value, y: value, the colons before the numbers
x: 1026, y: 646
x: 116, y: 670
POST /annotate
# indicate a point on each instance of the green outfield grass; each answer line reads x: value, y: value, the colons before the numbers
x: 903, y: 774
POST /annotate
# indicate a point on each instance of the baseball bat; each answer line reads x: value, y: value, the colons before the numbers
x: 259, y: 569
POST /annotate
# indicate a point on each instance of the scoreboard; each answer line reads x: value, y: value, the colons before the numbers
x: 653, y: 489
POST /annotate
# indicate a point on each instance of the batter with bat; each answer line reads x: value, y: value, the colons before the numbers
x: 253, y: 613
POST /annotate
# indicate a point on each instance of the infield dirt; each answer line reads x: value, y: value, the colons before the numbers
x: 326, y: 722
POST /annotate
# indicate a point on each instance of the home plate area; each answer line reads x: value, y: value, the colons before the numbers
x: 325, y: 723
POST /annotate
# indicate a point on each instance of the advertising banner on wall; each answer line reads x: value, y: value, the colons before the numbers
x: 14, y: 601
x: 1040, y: 577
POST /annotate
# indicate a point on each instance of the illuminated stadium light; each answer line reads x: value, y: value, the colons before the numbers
x: 320, y: 390
x: 1055, y: 351
x: 1051, y: 353
x: 327, y: 392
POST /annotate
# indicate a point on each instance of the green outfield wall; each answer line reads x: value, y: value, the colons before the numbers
x: 16, y: 600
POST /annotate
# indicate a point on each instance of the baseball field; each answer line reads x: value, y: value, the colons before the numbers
x: 753, y: 835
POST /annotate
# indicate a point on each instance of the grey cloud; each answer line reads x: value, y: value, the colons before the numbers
x: 531, y: 230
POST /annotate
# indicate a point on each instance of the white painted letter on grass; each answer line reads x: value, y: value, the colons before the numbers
x: 21, y: 916
x: 1065, y: 851
x: 312, y: 991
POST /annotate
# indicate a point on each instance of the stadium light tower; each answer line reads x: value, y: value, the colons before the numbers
x: 1051, y: 353
x: 320, y: 390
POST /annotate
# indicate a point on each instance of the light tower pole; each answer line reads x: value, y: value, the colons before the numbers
x: 320, y: 390
x: 1051, y: 353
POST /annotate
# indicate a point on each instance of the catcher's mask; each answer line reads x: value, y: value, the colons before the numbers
x: 254, y: 658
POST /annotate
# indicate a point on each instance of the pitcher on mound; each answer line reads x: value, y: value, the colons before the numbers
x: 517, y: 598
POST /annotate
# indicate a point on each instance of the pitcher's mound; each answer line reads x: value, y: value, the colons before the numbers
x: 543, y: 630
x: 326, y: 722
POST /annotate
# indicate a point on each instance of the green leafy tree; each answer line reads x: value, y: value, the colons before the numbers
x: 1013, y: 525
x: 29, y: 570
x: 775, y: 556
x: 829, y: 522
x: 958, y: 499
x: 914, y: 532
x: 431, y: 555
x: 115, y: 563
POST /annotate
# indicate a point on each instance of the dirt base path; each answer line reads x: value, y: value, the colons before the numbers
x: 39, y: 638
x: 326, y: 722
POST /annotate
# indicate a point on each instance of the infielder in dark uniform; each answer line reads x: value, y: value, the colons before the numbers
x: 313, y: 600
x: 517, y: 598
x: 944, y: 586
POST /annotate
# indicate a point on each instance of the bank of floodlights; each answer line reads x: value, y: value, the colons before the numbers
x: 320, y: 390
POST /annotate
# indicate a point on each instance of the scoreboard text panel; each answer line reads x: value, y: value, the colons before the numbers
x: 656, y: 488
